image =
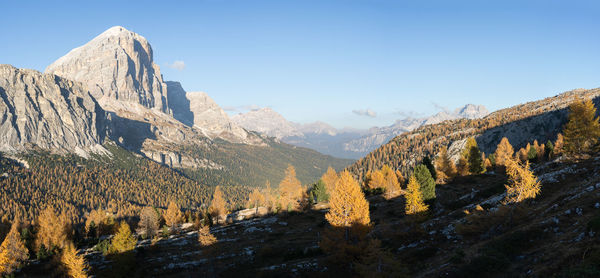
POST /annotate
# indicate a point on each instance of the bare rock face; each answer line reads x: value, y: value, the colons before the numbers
x: 116, y: 65
x: 267, y: 121
x: 48, y: 112
x: 179, y: 104
x: 212, y: 120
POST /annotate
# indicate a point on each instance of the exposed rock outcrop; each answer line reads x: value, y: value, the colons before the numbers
x: 49, y: 112
x: 116, y: 65
x: 212, y: 120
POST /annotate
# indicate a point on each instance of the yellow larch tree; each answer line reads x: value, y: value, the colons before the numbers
x: 414, y: 198
x: 255, y: 199
x: 391, y: 183
x: 329, y: 178
x: 376, y: 180
x: 53, y: 230
x: 290, y: 190
x: 217, y: 206
x: 205, y: 237
x: 559, y: 144
x: 12, y: 251
x: 74, y: 263
x: 349, y: 219
x: 444, y: 166
x: 173, y: 215
x: 522, y: 183
x: 123, y: 241
x: 582, y: 131
x: 504, y: 152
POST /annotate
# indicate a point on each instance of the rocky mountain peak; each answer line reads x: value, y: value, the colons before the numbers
x: 472, y: 111
x: 116, y: 65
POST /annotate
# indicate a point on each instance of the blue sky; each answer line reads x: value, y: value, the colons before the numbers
x: 347, y: 63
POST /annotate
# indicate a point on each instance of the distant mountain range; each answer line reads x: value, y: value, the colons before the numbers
x: 344, y: 143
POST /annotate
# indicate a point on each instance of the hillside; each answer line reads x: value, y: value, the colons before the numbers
x: 547, y: 237
x: 538, y: 120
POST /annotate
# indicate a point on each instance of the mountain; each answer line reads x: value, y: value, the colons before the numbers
x: 539, y: 120
x: 345, y: 143
x: 116, y: 65
x: 110, y: 90
x: 268, y: 122
x: 47, y: 111
x: 382, y: 135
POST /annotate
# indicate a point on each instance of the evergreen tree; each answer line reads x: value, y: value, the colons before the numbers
x: 549, y: 147
x: 290, y: 190
x: 173, y: 215
x: 427, y: 162
x: 217, y: 206
x: 426, y: 182
x: 12, y: 251
x: 532, y: 154
x: 123, y: 241
x: 414, y: 197
x: 74, y: 264
x: 319, y: 192
x: 475, y: 160
x: 583, y: 129
x: 522, y: 183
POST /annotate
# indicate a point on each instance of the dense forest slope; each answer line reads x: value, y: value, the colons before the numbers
x: 538, y: 120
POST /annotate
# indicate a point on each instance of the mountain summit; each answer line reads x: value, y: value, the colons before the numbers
x: 116, y: 65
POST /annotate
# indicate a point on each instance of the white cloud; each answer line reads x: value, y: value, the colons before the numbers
x: 365, y: 112
x: 178, y: 65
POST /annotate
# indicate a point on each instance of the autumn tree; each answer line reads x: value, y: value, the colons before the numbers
x: 173, y: 215
x: 217, y: 206
x: 290, y: 190
x: 391, y: 182
x: 582, y: 129
x: 74, y: 263
x: 255, y: 199
x: 53, y: 230
x: 12, y: 251
x: 462, y: 167
x: 329, y: 179
x: 349, y: 219
x: 376, y: 180
x: 99, y: 222
x: 123, y: 241
x: 426, y: 182
x: 522, y: 183
x: 504, y: 152
x: 414, y: 197
x: 149, y: 222
x: 446, y: 169
x: 559, y: 144
x: 269, y: 199
x: 205, y: 237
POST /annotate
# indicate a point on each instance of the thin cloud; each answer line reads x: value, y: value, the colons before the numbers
x: 241, y: 108
x: 440, y: 107
x: 365, y: 112
x: 178, y: 65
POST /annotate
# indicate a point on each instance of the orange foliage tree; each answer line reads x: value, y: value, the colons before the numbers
x: 290, y: 190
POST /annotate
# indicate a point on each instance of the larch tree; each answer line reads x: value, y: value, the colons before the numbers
x: 462, y: 167
x: 444, y: 166
x: 522, y: 183
x: 376, y: 180
x: 149, y: 222
x: 504, y: 152
x: 53, y: 230
x: 559, y: 144
x: 255, y: 199
x: 414, y: 197
x: 329, y: 178
x: 75, y: 264
x: 349, y: 219
x: 582, y: 130
x: 205, y: 237
x: 12, y: 251
x: 391, y: 182
x: 217, y: 206
x: 269, y: 199
x: 123, y: 241
x: 290, y: 190
x: 173, y: 215
x: 426, y: 182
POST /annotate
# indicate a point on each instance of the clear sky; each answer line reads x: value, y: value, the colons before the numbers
x: 347, y: 63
